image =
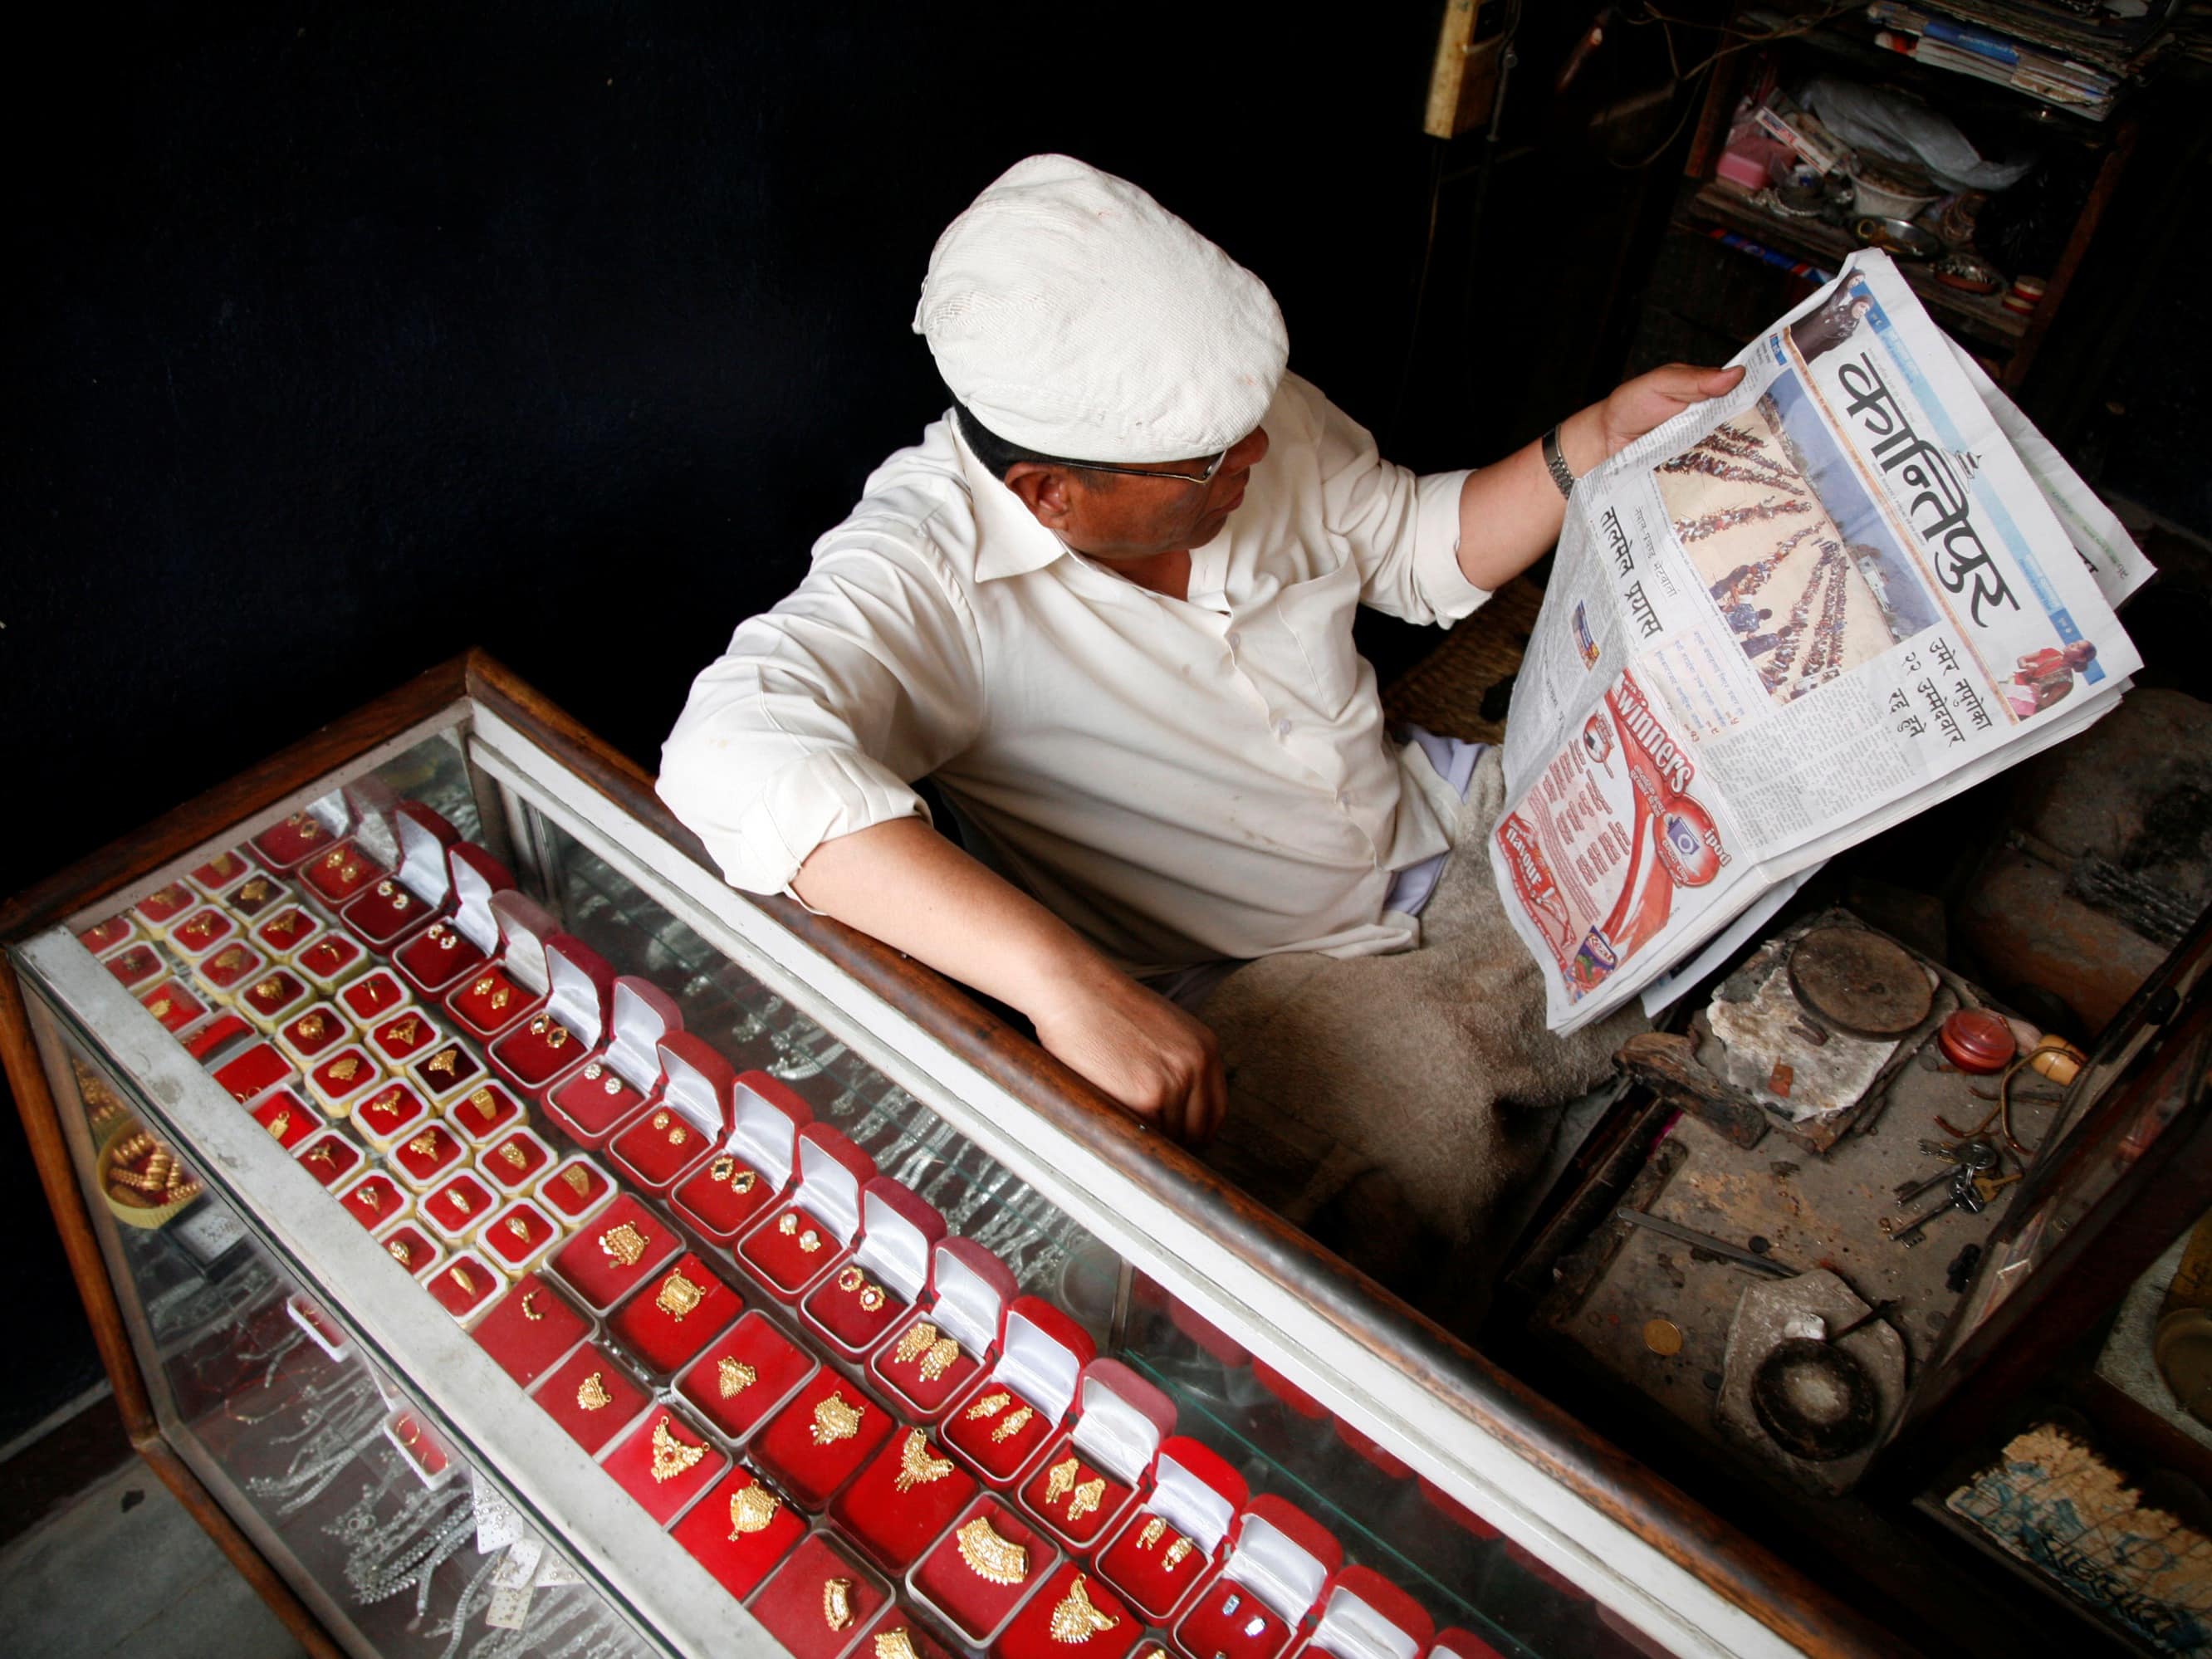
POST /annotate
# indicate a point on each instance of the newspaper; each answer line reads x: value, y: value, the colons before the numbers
x: 1785, y: 620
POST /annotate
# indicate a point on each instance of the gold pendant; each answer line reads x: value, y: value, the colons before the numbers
x: 1151, y: 1534
x: 997, y: 1560
x: 917, y: 1467
x: 1088, y: 1497
x: 267, y: 989
x: 671, y: 1457
x: 751, y: 1511
x: 1015, y: 1423
x: 1060, y: 1479
x: 917, y: 1337
x: 1178, y: 1552
x: 990, y: 1405
x: 281, y: 1122
x: 312, y: 1028
x: 735, y: 1376
x: 678, y: 1297
x: 591, y: 1393
x: 623, y: 1244
x: 837, y: 1603
x: 160, y: 1005
x: 895, y: 1644
x: 939, y: 1358
x: 1075, y: 1619
x: 836, y: 1420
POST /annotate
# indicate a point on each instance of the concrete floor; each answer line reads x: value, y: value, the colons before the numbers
x: 122, y: 1572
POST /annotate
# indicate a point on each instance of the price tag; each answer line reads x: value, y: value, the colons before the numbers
x: 513, y: 1582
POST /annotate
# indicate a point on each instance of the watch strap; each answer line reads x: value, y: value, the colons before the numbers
x: 1556, y: 463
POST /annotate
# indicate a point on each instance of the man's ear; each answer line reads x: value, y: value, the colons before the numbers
x: 1044, y: 489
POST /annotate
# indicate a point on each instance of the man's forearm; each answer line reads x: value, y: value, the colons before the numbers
x: 1509, y: 514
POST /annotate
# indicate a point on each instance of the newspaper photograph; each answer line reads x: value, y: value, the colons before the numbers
x: 1789, y: 618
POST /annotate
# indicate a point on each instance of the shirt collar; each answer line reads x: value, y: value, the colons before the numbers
x: 1011, y: 542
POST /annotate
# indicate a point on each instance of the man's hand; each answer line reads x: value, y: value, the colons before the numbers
x: 1158, y: 1061
x: 1635, y: 407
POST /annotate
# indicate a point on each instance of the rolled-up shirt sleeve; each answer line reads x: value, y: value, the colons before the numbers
x: 1403, y: 526
x: 823, y: 711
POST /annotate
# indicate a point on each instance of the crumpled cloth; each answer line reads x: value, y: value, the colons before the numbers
x: 1387, y: 1103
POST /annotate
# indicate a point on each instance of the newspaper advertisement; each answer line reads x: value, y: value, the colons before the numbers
x: 1785, y: 620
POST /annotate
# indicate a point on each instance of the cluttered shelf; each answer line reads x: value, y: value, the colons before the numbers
x: 1717, y: 202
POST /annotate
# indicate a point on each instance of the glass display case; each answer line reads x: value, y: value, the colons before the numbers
x: 516, y: 1241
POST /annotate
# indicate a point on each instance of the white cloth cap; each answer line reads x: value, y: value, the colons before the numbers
x: 1077, y: 317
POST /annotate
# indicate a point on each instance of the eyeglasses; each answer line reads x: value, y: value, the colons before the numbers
x: 1205, y: 477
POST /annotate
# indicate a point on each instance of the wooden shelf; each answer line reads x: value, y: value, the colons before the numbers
x: 1717, y: 202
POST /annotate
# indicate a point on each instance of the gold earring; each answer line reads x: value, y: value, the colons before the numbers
x: 1015, y: 1423
x: 1060, y: 1478
x: 990, y: 1405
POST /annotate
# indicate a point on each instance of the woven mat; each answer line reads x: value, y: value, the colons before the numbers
x: 1445, y: 690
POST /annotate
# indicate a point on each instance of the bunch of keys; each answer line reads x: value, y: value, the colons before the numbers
x: 1970, y: 1169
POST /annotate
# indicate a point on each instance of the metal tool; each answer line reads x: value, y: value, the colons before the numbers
x: 1971, y: 1191
x: 1705, y: 1242
x: 1977, y: 1155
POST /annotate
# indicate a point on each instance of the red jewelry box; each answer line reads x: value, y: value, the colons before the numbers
x: 310, y: 1035
x: 1194, y: 1501
x: 808, y: 1239
x: 458, y: 1206
x: 575, y: 1191
x: 446, y: 1072
x: 794, y: 1607
x: 376, y: 1200
x: 213, y: 1041
x: 664, y: 1462
x: 110, y: 935
x: 174, y: 1004
x: 679, y: 1128
x: 1109, y: 1633
x: 340, y: 1079
x: 413, y: 1248
x: 258, y: 1069
x: 372, y: 996
x: 1087, y: 1479
x: 810, y: 1456
x: 426, y: 1452
x: 1042, y: 1353
x: 745, y: 1374
x: 330, y: 959
x: 752, y: 1167
x: 515, y: 1160
x: 221, y: 871
x: 624, y: 1246
x: 287, y: 1117
x: 464, y: 1285
x: 1278, y: 1564
x: 273, y: 1000
x: 1457, y: 1644
x: 286, y: 933
x: 446, y: 951
x: 529, y: 1330
x: 509, y: 988
x: 396, y: 1040
x: 852, y: 1307
x: 519, y: 1236
x: 391, y: 1115
x: 970, y: 1290
x: 485, y: 1113
x: 427, y: 1156
x: 257, y: 895
x: 420, y: 890
x: 329, y: 1157
x: 320, y: 1329
x: 134, y: 965
x: 902, y: 1503
x: 738, y: 1539
x: 1364, y: 1616
x: 563, y: 1033
x: 339, y: 875
x: 949, y: 1585
x: 281, y: 846
x: 591, y: 1397
x: 158, y: 910
x: 229, y: 966
x: 201, y: 932
x: 602, y: 1095
x: 673, y: 1319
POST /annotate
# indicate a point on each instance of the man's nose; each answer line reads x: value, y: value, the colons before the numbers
x: 1247, y: 452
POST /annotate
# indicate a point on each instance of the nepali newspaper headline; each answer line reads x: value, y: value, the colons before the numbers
x: 1785, y: 620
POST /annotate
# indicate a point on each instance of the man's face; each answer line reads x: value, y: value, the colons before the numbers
x: 1116, y: 517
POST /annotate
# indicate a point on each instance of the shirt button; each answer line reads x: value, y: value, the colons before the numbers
x: 1282, y: 728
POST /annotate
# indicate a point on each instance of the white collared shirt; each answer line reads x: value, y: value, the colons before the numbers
x: 1181, y: 779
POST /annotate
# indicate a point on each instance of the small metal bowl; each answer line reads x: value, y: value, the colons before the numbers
x: 1899, y: 236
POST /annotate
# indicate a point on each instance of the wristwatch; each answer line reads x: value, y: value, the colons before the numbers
x: 1557, y: 464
